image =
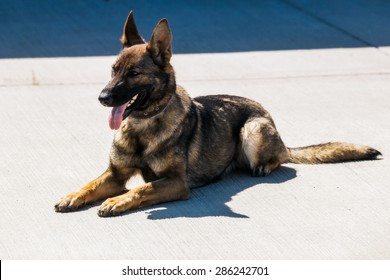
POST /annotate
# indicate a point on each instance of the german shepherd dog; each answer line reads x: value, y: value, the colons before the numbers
x: 177, y: 143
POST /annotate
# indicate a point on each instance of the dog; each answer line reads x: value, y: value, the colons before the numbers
x: 177, y: 143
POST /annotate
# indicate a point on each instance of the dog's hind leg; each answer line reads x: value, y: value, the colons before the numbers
x: 262, y: 149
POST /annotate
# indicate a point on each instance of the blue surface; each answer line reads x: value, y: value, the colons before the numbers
x: 45, y: 28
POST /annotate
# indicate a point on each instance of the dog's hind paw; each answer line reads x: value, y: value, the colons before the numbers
x: 264, y: 170
x: 258, y: 171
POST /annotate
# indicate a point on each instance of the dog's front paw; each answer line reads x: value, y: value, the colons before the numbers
x: 70, y: 202
x: 115, y: 205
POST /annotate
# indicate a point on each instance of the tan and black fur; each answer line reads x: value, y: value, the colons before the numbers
x: 177, y: 143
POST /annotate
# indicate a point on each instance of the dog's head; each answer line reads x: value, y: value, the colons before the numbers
x: 142, y: 74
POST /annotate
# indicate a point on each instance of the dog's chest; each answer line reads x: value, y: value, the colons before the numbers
x: 138, y: 150
x: 127, y: 147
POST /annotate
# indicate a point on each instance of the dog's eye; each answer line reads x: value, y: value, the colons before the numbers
x: 133, y: 73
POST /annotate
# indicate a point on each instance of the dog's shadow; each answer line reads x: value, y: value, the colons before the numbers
x: 212, y: 199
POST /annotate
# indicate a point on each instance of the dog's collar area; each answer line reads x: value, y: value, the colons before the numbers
x: 152, y: 110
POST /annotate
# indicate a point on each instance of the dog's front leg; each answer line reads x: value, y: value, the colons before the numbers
x: 149, y: 194
x: 108, y: 184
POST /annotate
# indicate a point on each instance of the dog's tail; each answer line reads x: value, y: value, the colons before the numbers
x: 331, y: 153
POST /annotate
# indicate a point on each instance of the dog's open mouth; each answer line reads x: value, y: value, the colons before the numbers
x: 121, y: 112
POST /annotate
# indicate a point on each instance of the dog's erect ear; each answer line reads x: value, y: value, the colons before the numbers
x: 130, y: 35
x: 160, y: 44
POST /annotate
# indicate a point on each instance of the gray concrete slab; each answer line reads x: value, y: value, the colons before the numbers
x: 385, y: 50
x: 216, y: 66
x: 55, y: 138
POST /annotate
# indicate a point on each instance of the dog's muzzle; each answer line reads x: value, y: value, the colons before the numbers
x: 105, y: 98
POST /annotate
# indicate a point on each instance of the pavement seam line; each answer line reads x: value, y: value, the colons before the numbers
x: 213, y: 80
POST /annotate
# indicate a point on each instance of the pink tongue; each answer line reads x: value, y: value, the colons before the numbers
x: 115, y: 117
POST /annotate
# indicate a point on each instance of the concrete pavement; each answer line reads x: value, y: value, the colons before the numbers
x: 55, y: 138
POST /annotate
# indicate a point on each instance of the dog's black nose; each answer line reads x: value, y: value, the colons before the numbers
x: 105, y: 97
